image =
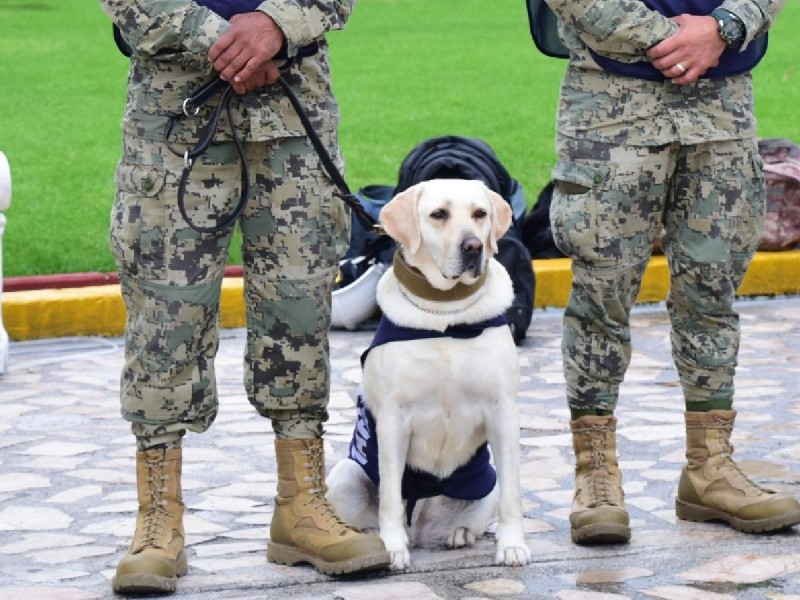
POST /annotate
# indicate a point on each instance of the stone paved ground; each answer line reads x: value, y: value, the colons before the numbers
x: 67, y: 493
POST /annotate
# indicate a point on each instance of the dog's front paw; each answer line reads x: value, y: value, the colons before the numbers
x: 397, y: 546
x: 461, y: 537
x: 401, y: 559
x: 512, y: 555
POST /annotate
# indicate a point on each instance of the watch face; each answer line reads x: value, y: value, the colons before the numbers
x: 730, y: 30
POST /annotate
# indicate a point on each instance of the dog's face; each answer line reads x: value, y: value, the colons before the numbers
x: 447, y: 228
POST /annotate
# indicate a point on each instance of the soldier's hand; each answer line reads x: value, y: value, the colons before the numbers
x: 686, y: 55
x: 265, y: 76
x: 252, y: 40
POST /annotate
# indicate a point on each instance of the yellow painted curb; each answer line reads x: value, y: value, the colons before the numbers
x: 95, y: 310
x: 100, y: 311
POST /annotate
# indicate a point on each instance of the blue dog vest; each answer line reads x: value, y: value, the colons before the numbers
x: 471, y: 481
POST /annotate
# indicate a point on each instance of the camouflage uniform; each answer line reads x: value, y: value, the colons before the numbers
x: 293, y: 228
x: 639, y: 159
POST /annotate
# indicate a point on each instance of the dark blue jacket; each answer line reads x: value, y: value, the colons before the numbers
x: 227, y: 8
x: 732, y: 62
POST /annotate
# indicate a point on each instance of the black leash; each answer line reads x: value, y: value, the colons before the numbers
x: 191, y: 107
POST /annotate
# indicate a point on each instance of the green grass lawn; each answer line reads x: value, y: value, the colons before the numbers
x: 404, y: 70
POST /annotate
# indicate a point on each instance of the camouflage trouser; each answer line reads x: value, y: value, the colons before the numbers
x: 293, y: 233
x: 611, y: 202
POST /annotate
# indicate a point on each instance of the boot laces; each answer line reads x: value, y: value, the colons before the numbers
x: 317, y: 499
x: 156, y: 516
x: 601, y: 486
x: 723, y: 431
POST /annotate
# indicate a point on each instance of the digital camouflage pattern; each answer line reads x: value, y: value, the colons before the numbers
x: 711, y: 226
x: 639, y: 160
x: 294, y: 230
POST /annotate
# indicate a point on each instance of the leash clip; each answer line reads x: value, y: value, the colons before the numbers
x: 187, y: 108
x: 187, y: 162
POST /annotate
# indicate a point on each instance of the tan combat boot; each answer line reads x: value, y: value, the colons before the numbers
x: 712, y: 488
x: 304, y: 526
x: 598, y: 509
x: 156, y: 558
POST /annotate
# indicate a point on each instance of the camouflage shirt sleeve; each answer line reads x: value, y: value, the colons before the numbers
x: 306, y: 21
x: 179, y: 31
x: 619, y: 29
x: 757, y: 15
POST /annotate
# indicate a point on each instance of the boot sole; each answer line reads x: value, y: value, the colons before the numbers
x: 148, y: 583
x: 288, y: 555
x: 701, y: 514
x: 601, y: 533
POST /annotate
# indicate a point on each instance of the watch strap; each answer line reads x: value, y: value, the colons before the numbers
x: 730, y: 27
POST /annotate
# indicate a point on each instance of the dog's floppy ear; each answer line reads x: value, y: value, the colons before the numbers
x: 399, y: 218
x: 501, y: 220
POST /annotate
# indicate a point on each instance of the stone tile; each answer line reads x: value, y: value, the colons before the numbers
x: 46, y: 593
x: 651, y: 433
x: 60, y: 448
x: 40, y: 541
x: 610, y: 576
x: 30, y: 518
x: 588, y: 595
x: 677, y: 592
x: 497, y: 587
x: 217, y: 565
x: 744, y: 568
x: 14, y: 482
x: 386, y: 591
x: 72, y: 554
x: 223, y: 549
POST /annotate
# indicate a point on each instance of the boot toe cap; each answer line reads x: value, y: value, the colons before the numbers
x: 606, y: 514
x: 774, y: 506
x: 151, y: 563
x: 361, y: 544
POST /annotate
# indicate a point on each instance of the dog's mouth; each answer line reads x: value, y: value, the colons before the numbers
x: 473, y: 269
x: 470, y: 258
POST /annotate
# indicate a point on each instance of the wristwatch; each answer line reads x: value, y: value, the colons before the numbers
x: 730, y: 27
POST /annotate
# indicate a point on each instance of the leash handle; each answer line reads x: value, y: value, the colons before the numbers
x: 191, y: 106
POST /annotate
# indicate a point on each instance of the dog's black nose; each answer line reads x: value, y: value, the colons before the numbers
x: 471, y: 246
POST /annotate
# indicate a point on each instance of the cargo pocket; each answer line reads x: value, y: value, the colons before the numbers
x: 754, y: 215
x: 137, y: 219
x: 579, y: 187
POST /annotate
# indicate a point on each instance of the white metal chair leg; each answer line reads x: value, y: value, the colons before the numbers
x: 5, y: 202
x: 3, y: 334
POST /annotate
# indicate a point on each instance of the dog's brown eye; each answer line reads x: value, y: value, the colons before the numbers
x: 440, y: 214
x: 479, y: 214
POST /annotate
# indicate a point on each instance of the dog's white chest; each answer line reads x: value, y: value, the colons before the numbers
x: 442, y: 392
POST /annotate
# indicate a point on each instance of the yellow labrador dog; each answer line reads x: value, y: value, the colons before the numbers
x: 439, y: 383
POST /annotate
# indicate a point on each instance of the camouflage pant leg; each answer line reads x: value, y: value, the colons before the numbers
x: 170, y: 279
x: 294, y: 232
x: 611, y: 203
x: 713, y: 224
x: 291, y: 243
x: 605, y: 213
